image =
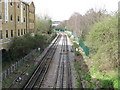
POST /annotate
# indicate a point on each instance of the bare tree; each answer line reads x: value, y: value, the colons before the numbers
x: 82, y: 24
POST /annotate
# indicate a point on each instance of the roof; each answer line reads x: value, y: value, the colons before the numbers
x: 27, y: 1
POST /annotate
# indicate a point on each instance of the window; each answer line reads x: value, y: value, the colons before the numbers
x: 0, y: 34
x: 24, y: 8
x: 21, y: 31
x: 0, y: 15
x: 18, y: 32
x: 11, y: 33
x: 24, y: 31
x: 10, y: 2
x: 24, y: 19
x: 18, y: 18
x: 6, y: 33
x: 18, y: 5
x: 11, y: 18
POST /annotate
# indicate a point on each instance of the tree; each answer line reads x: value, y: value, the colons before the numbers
x: 43, y: 24
x: 82, y: 24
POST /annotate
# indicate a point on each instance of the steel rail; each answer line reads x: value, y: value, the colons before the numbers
x: 60, y: 68
x: 33, y: 79
x: 62, y: 65
x: 47, y: 67
x: 69, y: 75
x: 57, y: 72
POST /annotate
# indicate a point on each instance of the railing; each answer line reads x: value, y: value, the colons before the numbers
x: 6, y: 73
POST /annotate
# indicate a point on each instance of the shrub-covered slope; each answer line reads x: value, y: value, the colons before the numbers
x: 103, y: 47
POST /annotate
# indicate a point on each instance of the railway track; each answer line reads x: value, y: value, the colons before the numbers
x: 63, y: 78
x: 38, y: 75
x: 68, y: 65
x: 21, y: 75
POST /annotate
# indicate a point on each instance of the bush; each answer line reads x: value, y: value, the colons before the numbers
x: 76, y: 45
x: 103, y: 48
x: 103, y: 41
x: 77, y: 53
x: 21, y: 46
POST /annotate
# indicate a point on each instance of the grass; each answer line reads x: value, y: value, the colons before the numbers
x: 107, y: 78
x: 25, y: 78
x: 82, y: 72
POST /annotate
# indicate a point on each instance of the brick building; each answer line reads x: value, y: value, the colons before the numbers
x: 17, y: 18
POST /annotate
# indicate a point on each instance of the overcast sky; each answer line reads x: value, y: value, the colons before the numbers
x: 60, y: 10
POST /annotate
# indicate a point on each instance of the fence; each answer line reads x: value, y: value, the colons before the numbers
x: 14, y: 66
x: 82, y: 45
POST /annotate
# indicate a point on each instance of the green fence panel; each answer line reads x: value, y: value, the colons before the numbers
x: 82, y: 45
x: 86, y: 50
